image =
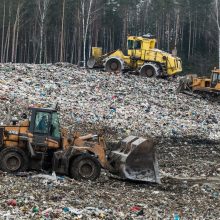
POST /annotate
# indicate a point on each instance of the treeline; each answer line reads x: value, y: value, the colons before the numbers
x: 48, y: 31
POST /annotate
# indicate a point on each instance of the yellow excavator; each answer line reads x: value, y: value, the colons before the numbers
x: 37, y: 142
x: 142, y: 57
x: 193, y: 83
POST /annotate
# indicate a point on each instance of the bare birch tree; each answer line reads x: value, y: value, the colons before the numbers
x: 85, y: 25
x: 42, y: 9
x: 62, y: 33
x: 8, y: 36
x: 3, y: 35
x: 218, y: 26
x: 16, y: 29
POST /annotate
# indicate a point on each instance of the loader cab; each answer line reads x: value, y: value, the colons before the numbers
x: 134, y: 47
x: 215, y: 79
x: 45, y: 127
x: 138, y: 46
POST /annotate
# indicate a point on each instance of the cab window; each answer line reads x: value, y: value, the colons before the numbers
x: 215, y: 77
x: 55, y: 126
x: 137, y: 45
x: 130, y: 44
x: 42, y: 122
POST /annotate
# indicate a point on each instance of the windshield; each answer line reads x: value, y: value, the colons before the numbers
x: 130, y: 44
x: 42, y: 122
x: 215, y: 77
x: 137, y: 45
x: 55, y: 126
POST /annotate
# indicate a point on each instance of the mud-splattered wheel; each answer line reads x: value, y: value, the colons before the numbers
x: 113, y: 65
x: 150, y: 70
x: 85, y: 167
x: 13, y: 160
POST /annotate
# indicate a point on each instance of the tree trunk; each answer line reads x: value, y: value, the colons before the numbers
x: 190, y: 36
x: 15, y: 34
x: 42, y: 8
x: 7, y: 47
x: 62, y: 33
x: 218, y: 25
x: 86, y: 23
x: 3, y: 35
x: 219, y: 49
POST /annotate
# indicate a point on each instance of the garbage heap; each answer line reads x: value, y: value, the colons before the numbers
x: 119, y: 104
x: 186, y: 129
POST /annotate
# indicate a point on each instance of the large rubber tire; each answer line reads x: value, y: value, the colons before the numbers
x: 13, y: 160
x: 85, y: 167
x: 150, y: 70
x: 113, y: 65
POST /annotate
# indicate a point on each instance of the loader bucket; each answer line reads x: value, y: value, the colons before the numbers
x: 91, y: 62
x: 185, y: 84
x: 136, y: 160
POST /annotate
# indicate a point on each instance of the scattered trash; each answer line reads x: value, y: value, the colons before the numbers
x: 138, y: 210
x: 35, y: 209
x: 176, y: 216
x: 93, y: 100
x: 185, y: 128
x: 52, y: 177
x: 12, y: 202
x: 65, y: 209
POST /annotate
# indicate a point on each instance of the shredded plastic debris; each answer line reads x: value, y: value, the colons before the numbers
x: 185, y: 128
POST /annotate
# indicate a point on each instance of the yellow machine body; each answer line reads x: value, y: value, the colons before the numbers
x: 195, y: 83
x: 208, y: 84
x: 142, y: 56
x: 96, y: 52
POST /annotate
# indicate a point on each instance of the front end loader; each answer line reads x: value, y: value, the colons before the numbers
x: 39, y: 143
x: 142, y: 57
x: 193, y: 83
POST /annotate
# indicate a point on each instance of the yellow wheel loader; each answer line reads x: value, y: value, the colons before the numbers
x: 193, y: 83
x: 142, y: 57
x: 37, y: 142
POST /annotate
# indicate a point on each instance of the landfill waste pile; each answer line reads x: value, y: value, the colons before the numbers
x: 186, y: 130
x: 125, y: 104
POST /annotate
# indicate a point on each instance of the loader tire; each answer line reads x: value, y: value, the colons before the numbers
x: 85, y: 167
x: 13, y: 160
x: 150, y: 70
x: 113, y: 65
